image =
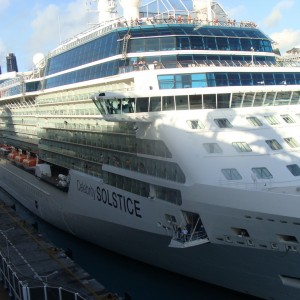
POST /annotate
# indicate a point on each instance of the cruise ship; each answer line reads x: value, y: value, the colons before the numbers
x: 170, y: 135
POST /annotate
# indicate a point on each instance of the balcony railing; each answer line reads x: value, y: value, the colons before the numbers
x: 207, y: 63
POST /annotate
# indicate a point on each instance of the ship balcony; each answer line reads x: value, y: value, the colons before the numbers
x: 196, y: 238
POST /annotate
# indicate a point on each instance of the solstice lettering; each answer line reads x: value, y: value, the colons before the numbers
x: 122, y: 202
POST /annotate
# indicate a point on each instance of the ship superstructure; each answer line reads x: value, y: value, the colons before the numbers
x: 170, y: 135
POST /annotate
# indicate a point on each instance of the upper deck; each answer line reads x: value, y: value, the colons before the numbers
x: 155, y: 24
x: 176, y: 42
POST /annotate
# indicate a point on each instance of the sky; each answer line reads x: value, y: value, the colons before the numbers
x: 38, y: 26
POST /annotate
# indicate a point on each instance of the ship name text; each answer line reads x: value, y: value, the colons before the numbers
x: 113, y: 199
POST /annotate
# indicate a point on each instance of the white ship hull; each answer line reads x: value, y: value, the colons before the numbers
x: 252, y: 269
x: 174, y: 141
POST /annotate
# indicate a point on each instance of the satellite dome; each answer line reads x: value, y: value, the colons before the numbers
x: 38, y: 59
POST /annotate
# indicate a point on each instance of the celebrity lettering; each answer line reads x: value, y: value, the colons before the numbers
x: 113, y: 199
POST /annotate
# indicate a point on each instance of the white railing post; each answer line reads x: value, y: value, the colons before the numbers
x: 25, y: 292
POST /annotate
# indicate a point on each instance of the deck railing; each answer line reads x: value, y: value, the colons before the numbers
x: 101, y: 29
x: 207, y: 63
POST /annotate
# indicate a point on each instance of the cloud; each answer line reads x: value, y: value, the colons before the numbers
x: 54, y: 24
x: 4, y: 4
x: 286, y: 39
x: 276, y: 14
x: 75, y: 19
x: 236, y: 12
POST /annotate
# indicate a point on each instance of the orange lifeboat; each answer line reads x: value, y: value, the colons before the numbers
x: 29, y: 162
x: 19, y: 158
x: 13, y: 154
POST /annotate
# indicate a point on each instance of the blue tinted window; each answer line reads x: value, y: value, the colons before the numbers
x: 290, y: 78
x: 106, y: 69
x: 234, y: 44
x: 234, y: 79
x: 166, y: 81
x: 269, y: 78
x: 137, y: 45
x: 168, y: 43
x: 210, y: 43
x: 196, y: 42
x: 32, y: 86
x: 258, y: 79
x: 183, y: 43
x: 92, y: 51
x: 221, y: 79
x: 279, y: 78
x: 199, y: 80
x: 152, y: 45
x: 211, y: 79
x: 222, y: 43
x: 225, y: 79
x: 246, y: 79
x: 246, y: 44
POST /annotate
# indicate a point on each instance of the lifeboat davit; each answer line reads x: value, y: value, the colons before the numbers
x: 5, y: 150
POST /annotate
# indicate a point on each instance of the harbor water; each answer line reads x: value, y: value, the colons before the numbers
x: 123, y: 275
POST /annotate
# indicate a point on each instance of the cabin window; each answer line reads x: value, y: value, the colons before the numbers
x: 223, y: 100
x: 195, y: 101
x: 155, y: 104
x: 231, y: 174
x: 287, y: 238
x: 295, y: 98
x: 282, y: 98
x: 272, y: 120
x: 273, y: 144
x: 269, y: 100
x: 209, y: 101
x: 259, y: 99
x: 212, y: 148
x: 288, y: 119
x: 181, y: 102
x: 262, y: 173
x: 142, y: 104
x: 293, y: 143
x: 168, y: 103
x: 195, y: 124
x: 294, y: 169
x: 236, y: 100
x: 254, y: 121
x: 223, y: 123
x: 241, y: 147
x: 248, y: 99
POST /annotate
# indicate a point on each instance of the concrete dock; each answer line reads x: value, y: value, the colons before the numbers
x: 32, y: 268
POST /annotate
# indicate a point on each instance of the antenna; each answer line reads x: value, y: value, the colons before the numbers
x: 209, y: 11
